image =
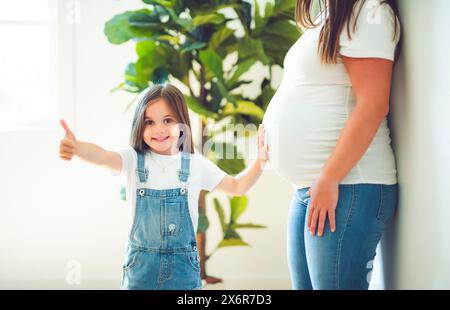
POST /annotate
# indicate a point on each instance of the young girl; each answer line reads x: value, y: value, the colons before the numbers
x: 164, y: 179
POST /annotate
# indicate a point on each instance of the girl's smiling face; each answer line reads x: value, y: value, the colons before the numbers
x: 161, y: 130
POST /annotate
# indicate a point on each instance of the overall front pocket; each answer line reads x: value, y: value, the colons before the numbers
x: 173, y: 223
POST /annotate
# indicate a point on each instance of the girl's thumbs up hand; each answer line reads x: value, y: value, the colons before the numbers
x: 67, y: 144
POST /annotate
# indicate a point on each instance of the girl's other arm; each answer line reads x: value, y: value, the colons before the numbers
x: 89, y: 152
x: 240, y: 184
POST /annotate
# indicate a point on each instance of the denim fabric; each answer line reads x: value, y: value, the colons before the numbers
x: 343, y: 259
x: 162, y: 250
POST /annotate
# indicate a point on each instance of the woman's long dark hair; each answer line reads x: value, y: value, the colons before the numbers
x: 341, y: 13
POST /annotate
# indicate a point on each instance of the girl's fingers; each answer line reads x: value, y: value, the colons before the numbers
x: 67, y: 143
x: 265, y: 152
x: 66, y: 150
x: 65, y: 156
x: 66, y: 127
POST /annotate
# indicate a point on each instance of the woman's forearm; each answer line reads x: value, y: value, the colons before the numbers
x: 354, y: 141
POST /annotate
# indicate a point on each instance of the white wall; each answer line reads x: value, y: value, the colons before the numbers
x: 418, y: 244
x: 54, y: 213
x: 58, y: 216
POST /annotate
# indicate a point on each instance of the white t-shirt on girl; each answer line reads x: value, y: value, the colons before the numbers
x: 204, y: 175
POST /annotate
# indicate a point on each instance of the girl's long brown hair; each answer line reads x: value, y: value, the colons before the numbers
x: 174, y: 97
x: 341, y: 13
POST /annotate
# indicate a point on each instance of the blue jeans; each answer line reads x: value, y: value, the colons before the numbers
x: 343, y: 259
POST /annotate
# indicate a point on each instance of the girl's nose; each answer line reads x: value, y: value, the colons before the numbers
x: 159, y: 129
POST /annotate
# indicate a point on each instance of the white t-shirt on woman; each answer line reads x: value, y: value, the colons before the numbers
x: 310, y: 108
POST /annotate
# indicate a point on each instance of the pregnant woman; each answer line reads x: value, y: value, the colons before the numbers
x: 328, y: 135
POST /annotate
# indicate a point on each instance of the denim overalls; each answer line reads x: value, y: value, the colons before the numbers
x: 162, y: 250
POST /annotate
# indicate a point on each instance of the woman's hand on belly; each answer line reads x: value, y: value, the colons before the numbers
x: 324, y: 195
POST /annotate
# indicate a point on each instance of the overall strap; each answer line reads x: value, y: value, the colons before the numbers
x: 183, y: 174
x: 141, y: 170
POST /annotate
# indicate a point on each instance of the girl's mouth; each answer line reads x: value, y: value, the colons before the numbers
x: 161, y: 139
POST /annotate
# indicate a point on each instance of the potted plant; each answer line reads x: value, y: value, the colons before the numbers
x: 187, y: 41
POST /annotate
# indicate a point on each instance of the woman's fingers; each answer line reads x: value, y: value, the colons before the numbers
x: 313, y: 224
x: 332, y: 220
x: 309, y: 217
x: 322, y: 218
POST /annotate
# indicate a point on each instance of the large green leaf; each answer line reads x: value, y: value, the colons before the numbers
x: 206, y: 7
x: 232, y: 242
x: 252, y: 48
x: 198, y: 108
x: 284, y: 7
x: 166, y: 3
x: 126, y: 26
x: 261, y: 21
x: 179, y: 64
x: 118, y: 29
x: 191, y: 45
x: 221, y: 214
x: 145, y: 19
x: 241, y: 68
x: 266, y: 95
x: 213, y: 63
x: 215, y: 102
x: 203, y: 222
x: 231, y: 234
x: 219, y: 37
x: 244, y: 107
x: 247, y: 225
x: 226, y: 157
x: 151, y: 57
x: 133, y: 79
x: 231, y: 166
x: 146, y: 48
x: 213, y: 18
x: 284, y: 29
x: 244, y: 14
x: 238, y: 205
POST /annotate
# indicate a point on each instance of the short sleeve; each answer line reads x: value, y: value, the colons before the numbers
x: 373, y: 36
x: 211, y: 174
x: 129, y: 159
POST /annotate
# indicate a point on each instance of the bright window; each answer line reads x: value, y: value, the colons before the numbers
x: 27, y: 99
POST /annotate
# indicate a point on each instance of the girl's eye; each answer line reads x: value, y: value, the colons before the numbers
x: 148, y: 122
x: 168, y: 120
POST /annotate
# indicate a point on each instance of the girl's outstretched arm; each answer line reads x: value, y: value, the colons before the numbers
x: 89, y: 152
x: 240, y: 184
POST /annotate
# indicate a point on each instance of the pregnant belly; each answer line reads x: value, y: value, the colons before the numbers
x: 303, y: 125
